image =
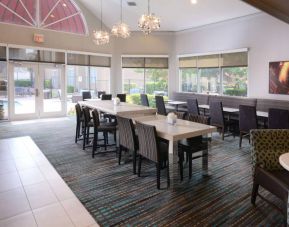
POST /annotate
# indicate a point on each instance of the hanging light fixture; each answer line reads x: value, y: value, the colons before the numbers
x: 149, y: 22
x: 121, y: 29
x: 101, y: 37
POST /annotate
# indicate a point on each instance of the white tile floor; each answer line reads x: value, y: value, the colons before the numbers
x: 31, y: 191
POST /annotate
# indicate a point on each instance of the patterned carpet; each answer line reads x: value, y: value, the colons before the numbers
x: 116, y: 197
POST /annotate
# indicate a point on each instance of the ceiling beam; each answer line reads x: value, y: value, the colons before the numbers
x: 276, y: 8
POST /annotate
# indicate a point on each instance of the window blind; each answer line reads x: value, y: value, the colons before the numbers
x: 2, y: 53
x: 88, y: 60
x: 234, y: 59
x: 188, y: 62
x: 208, y: 61
x: 144, y: 62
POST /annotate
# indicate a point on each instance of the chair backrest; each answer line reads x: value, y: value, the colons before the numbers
x: 160, y: 104
x: 147, y: 137
x: 95, y: 118
x: 144, y: 100
x: 86, y: 95
x: 216, y: 113
x: 193, y: 106
x: 78, y: 111
x: 180, y: 115
x: 106, y: 97
x: 86, y: 114
x: 278, y: 119
x: 247, y: 118
x: 199, y: 119
x: 122, y: 97
x: 266, y: 147
x: 100, y: 93
x: 127, y: 136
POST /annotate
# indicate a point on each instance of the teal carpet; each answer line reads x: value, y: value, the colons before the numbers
x: 116, y: 197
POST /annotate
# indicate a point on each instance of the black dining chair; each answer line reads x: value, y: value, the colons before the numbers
x: 105, y: 128
x: 127, y: 139
x: 247, y: 121
x: 218, y: 120
x: 88, y: 124
x: 160, y: 104
x: 79, y: 122
x: 278, y: 119
x: 193, y: 107
x: 100, y: 93
x: 106, y: 97
x: 194, y: 145
x: 122, y: 97
x: 152, y: 148
x: 86, y: 95
x: 144, y: 100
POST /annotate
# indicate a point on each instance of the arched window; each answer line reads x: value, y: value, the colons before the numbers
x: 57, y: 15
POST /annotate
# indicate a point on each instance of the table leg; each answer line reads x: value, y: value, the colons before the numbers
x: 173, y: 162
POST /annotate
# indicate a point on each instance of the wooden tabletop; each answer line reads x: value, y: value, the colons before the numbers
x: 176, y: 103
x: 181, y: 130
x: 123, y: 109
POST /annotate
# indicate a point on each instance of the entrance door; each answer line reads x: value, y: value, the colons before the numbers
x: 36, y: 90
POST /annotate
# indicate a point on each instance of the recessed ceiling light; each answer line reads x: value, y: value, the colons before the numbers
x: 194, y: 1
x: 64, y: 5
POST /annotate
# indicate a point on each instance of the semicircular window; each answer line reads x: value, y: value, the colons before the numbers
x: 58, y: 15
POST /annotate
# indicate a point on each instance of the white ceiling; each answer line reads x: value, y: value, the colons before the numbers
x: 175, y: 15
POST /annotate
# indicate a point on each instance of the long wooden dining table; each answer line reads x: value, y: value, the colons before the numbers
x: 182, y: 129
x: 122, y: 109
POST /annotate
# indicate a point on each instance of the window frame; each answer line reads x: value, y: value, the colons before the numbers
x: 220, y: 67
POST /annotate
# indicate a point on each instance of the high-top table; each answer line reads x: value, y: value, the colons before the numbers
x: 123, y: 109
x: 173, y: 133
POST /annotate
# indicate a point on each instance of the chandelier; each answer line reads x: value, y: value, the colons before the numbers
x: 101, y: 37
x: 121, y: 29
x: 149, y: 22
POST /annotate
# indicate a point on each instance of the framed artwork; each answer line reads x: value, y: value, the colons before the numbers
x: 279, y: 77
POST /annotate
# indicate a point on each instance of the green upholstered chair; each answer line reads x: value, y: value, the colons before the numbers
x: 266, y: 147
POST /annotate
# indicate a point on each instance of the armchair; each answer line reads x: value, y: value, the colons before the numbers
x: 266, y: 147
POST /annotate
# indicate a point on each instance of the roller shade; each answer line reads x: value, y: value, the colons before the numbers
x: 33, y: 55
x: 88, y: 60
x: 51, y: 56
x: 100, y: 61
x: 2, y: 53
x: 188, y: 62
x: 208, y: 61
x: 234, y: 59
x: 140, y: 62
x: 156, y: 63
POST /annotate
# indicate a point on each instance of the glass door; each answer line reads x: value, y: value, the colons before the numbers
x: 37, y: 90
x: 51, y: 90
x: 23, y: 90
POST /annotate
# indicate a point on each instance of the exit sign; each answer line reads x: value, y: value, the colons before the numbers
x: 38, y: 38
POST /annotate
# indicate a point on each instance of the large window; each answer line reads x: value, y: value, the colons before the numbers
x: 144, y: 75
x: 86, y: 73
x: 214, y: 74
